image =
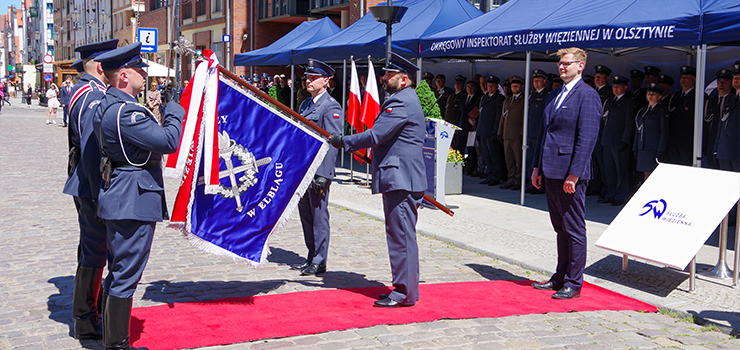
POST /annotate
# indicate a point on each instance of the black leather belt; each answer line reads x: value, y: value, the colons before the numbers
x: 152, y: 164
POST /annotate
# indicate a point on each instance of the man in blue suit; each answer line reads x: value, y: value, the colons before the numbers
x: 131, y: 199
x: 64, y: 97
x: 563, y: 163
x: 324, y: 111
x: 398, y: 173
x: 83, y: 184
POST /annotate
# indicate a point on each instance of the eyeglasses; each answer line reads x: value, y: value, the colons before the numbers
x: 566, y: 63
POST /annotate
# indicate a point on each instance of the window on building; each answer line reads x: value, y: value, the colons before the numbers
x: 216, y: 5
x: 187, y: 10
x: 200, y: 7
x: 157, y: 4
x: 50, y: 27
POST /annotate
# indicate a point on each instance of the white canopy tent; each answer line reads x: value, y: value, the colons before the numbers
x: 158, y: 70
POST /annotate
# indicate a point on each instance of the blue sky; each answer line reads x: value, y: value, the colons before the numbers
x: 4, y: 4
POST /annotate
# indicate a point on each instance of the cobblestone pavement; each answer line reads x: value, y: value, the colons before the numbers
x: 39, y: 238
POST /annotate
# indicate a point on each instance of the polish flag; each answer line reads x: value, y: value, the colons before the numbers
x: 355, y: 107
x: 371, y: 103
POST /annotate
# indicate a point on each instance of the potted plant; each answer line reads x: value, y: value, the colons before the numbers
x: 453, y: 173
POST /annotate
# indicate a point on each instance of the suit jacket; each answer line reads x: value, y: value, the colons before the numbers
x: 511, y: 125
x: 327, y: 114
x: 727, y: 146
x: 465, y: 108
x: 537, y: 103
x: 569, y: 134
x: 490, y: 114
x: 396, y: 140
x: 65, y: 95
x: 651, y: 133
x: 618, y: 121
x: 84, y: 181
x: 135, y: 193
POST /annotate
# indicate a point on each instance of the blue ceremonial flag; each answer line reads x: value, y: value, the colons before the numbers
x: 266, y: 161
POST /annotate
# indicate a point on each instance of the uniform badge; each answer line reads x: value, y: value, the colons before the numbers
x: 336, y: 116
x: 133, y: 116
x: 388, y: 110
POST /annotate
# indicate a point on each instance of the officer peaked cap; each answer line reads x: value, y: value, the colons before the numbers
x: 400, y: 64
x: 122, y: 57
x: 96, y: 49
x: 316, y: 67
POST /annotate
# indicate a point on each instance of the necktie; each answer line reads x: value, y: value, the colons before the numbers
x: 469, y: 98
x: 721, y: 102
x: 309, y: 104
x: 560, y: 97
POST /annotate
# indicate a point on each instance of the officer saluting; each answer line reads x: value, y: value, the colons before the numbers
x: 83, y: 184
x: 131, y: 199
x: 398, y: 173
x: 324, y: 111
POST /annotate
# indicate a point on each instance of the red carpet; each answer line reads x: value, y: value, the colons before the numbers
x: 236, y: 320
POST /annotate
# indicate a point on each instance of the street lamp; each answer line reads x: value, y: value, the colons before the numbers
x: 388, y: 15
x: 75, y: 21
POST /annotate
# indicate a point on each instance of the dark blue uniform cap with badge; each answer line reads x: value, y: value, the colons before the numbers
x: 654, y: 88
x: 688, y: 70
x: 427, y: 75
x: 506, y: 83
x: 316, y: 67
x: 460, y: 79
x: 400, y: 64
x: 736, y: 71
x: 96, y: 49
x: 650, y: 70
x: 665, y: 79
x: 552, y: 76
x: 724, y: 74
x: 588, y: 79
x: 78, y: 66
x: 493, y: 79
x: 516, y: 80
x: 636, y: 73
x: 539, y: 73
x: 620, y: 80
x: 602, y: 69
x: 558, y: 80
x: 122, y: 57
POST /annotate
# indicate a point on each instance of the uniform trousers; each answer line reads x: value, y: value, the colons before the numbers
x: 314, y: 212
x: 400, y: 208
x: 65, y: 109
x: 680, y: 155
x: 568, y: 217
x: 531, y: 144
x: 729, y: 164
x: 513, y: 154
x: 616, y: 173
x: 129, y: 245
x: 93, y: 234
x: 491, y: 152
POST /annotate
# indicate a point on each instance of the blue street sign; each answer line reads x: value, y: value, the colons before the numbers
x: 48, y: 77
x: 148, y: 39
x: 226, y: 38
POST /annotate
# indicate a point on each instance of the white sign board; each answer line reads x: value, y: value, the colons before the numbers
x: 48, y: 68
x: 671, y: 216
x: 48, y: 58
x: 148, y: 39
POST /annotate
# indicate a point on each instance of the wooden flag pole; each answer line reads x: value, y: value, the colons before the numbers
x: 313, y: 126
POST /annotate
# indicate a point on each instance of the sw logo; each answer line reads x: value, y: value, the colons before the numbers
x: 658, y: 207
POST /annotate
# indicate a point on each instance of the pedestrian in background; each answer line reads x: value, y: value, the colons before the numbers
x: 153, y: 101
x: 29, y: 94
x: 52, y: 103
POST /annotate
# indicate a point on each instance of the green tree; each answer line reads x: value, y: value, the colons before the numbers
x: 428, y: 101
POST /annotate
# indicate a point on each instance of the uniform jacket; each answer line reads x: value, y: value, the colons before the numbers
x: 328, y: 115
x: 651, y: 129
x: 85, y: 178
x: 452, y: 109
x: 490, y: 114
x: 605, y: 93
x: 465, y: 108
x: 712, y: 120
x: 537, y: 103
x: 65, y: 94
x: 442, y: 96
x: 396, y: 140
x: 640, y: 96
x: 130, y: 134
x: 569, y: 133
x: 681, y: 119
x: 618, y: 121
x: 727, y: 146
x: 511, y: 125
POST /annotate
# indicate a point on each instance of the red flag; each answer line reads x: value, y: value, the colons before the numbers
x: 371, y: 103
x: 354, y: 106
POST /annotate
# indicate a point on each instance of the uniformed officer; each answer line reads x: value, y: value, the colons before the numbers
x: 651, y: 75
x: 651, y: 131
x: 442, y: 92
x: 727, y: 147
x: 681, y: 121
x: 453, y: 103
x: 589, y: 80
x: 557, y: 82
x: 601, y: 82
x: 131, y: 198
x: 398, y: 173
x: 617, y: 133
x: 537, y: 103
x: 78, y: 66
x: 666, y: 82
x: 510, y: 131
x: 324, y: 111
x: 716, y: 109
x: 636, y: 90
x: 83, y: 184
x: 428, y: 77
x: 492, y: 151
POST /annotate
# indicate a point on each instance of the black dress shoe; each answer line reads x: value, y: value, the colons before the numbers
x: 617, y: 203
x: 486, y: 181
x: 567, y: 293
x: 506, y: 186
x: 494, y: 182
x: 516, y: 187
x: 389, y: 303
x: 476, y: 173
x: 383, y: 296
x: 603, y: 200
x: 549, y: 285
x: 301, y: 266
x: 313, y: 269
